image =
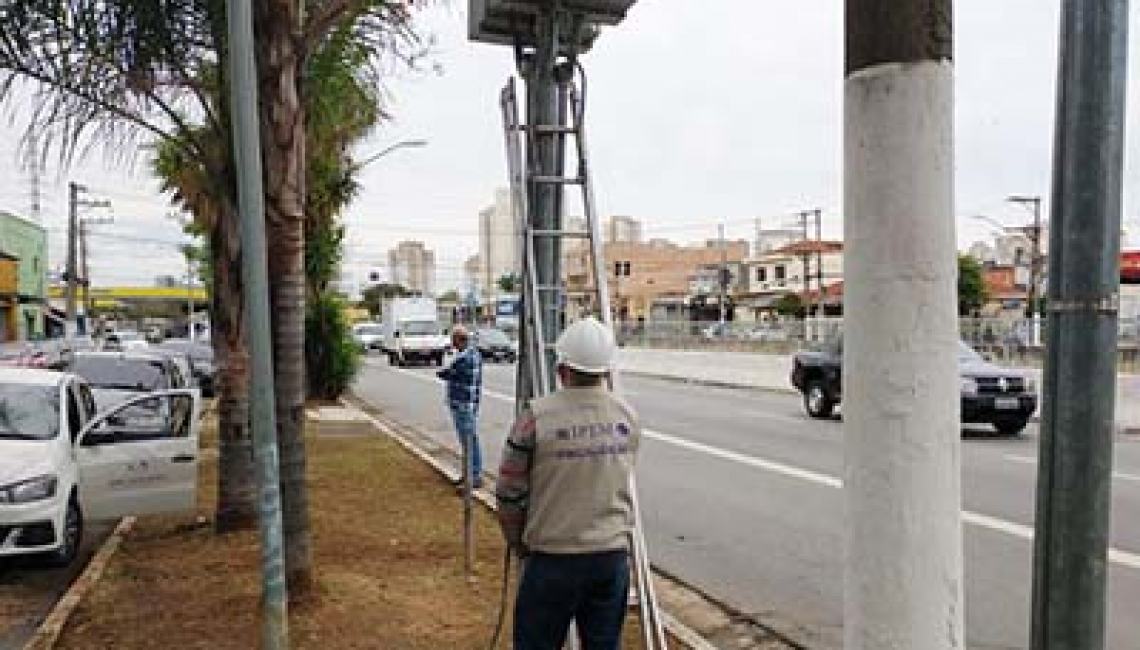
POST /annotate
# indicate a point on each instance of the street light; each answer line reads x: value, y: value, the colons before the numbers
x: 403, y: 144
x: 1033, y: 233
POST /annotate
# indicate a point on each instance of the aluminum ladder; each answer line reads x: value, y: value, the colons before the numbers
x: 537, y: 354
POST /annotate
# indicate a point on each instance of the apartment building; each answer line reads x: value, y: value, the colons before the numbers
x: 647, y: 280
x: 412, y: 265
x: 798, y: 268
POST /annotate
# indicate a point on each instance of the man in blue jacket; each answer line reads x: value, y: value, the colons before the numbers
x: 464, y: 379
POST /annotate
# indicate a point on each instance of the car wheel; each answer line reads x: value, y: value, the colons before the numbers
x: 817, y: 402
x: 1010, y: 427
x: 72, y: 537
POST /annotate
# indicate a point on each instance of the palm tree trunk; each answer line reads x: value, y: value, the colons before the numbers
x: 237, y: 493
x: 283, y: 143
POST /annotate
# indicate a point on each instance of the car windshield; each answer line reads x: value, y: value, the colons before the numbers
x: 121, y: 373
x: 28, y: 412
x: 419, y: 328
x: 967, y: 353
x: 493, y: 337
x: 369, y: 330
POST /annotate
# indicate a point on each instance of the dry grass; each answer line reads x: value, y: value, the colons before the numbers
x: 387, y: 547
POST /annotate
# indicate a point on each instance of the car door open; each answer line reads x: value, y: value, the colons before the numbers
x: 141, y: 456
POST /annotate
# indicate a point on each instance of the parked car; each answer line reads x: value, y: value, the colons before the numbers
x: 767, y: 333
x: 494, y: 345
x: 201, y: 362
x: 62, y: 465
x: 121, y: 340
x: 369, y: 336
x: 989, y: 394
x: 115, y: 377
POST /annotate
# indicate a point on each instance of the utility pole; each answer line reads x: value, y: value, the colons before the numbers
x: 722, y: 277
x: 805, y: 241
x: 819, y: 264
x: 903, y: 566
x: 74, y: 203
x: 1034, y: 203
x: 263, y: 414
x: 70, y: 325
x: 190, y: 299
x: 1074, y: 479
x: 84, y: 224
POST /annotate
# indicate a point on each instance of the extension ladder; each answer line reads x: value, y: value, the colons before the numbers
x: 543, y: 301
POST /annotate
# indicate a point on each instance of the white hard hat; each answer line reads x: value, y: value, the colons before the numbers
x: 587, y: 346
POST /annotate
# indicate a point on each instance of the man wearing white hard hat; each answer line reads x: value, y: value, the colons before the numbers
x: 564, y: 499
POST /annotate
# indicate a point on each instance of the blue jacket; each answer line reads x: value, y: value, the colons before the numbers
x: 464, y: 377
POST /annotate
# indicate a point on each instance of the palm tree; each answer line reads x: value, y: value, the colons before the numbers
x: 113, y: 71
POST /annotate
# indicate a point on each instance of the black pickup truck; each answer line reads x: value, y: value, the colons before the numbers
x: 990, y: 395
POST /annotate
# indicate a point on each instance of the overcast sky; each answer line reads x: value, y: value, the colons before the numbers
x: 697, y: 116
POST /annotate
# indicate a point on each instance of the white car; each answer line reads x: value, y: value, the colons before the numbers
x: 61, y: 464
x: 369, y: 336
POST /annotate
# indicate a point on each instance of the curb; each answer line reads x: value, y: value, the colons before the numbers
x: 397, y: 432
x: 48, y: 633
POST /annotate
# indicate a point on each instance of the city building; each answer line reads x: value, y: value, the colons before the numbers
x: 770, y: 239
x: 623, y: 229
x: 500, y: 245
x: 23, y: 278
x: 648, y: 281
x: 797, y: 268
x: 412, y: 266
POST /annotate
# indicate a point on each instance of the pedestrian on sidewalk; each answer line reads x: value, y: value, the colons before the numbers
x: 464, y: 379
x: 564, y: 499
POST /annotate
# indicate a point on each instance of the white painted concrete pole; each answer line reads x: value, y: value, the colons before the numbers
x: 903, y: 575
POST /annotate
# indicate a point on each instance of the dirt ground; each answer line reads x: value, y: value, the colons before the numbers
x: 387, y: 547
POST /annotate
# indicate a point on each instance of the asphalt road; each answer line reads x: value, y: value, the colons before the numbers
x: 741, y: 499
x: 35, y: 589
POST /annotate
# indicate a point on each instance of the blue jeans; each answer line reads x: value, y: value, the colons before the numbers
x: 465, y: 416
x: 592, y: 589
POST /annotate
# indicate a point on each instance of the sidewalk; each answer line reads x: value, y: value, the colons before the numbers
x: 772, y: 371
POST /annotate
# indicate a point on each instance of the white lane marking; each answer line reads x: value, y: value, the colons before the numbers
x: 1124, y: 558
x: 1030, y: 460
x: 777, y: 417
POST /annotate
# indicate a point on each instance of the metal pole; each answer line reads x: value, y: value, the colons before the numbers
x: 819, y: 265
x: 722, y: 277
x: 468, y: 511
x: 263, y: 420
x: 902, y: 448
x: 87, y: 305
x: 72, y: 270
x: 543, y: 99
x: 1074, y: 482
x: 190, y: 299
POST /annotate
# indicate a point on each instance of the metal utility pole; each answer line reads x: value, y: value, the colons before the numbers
x: 190, y: 299
x: 722, y: 277
x: 70, y: 325
x: 1074, y: 480
x: 263, y: 418
x: 903, y: 567
x: 84, y: 225
x: 819, y: 263
x: 74, y: 203
x: 545, y: 159
x: 1034, y: 202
